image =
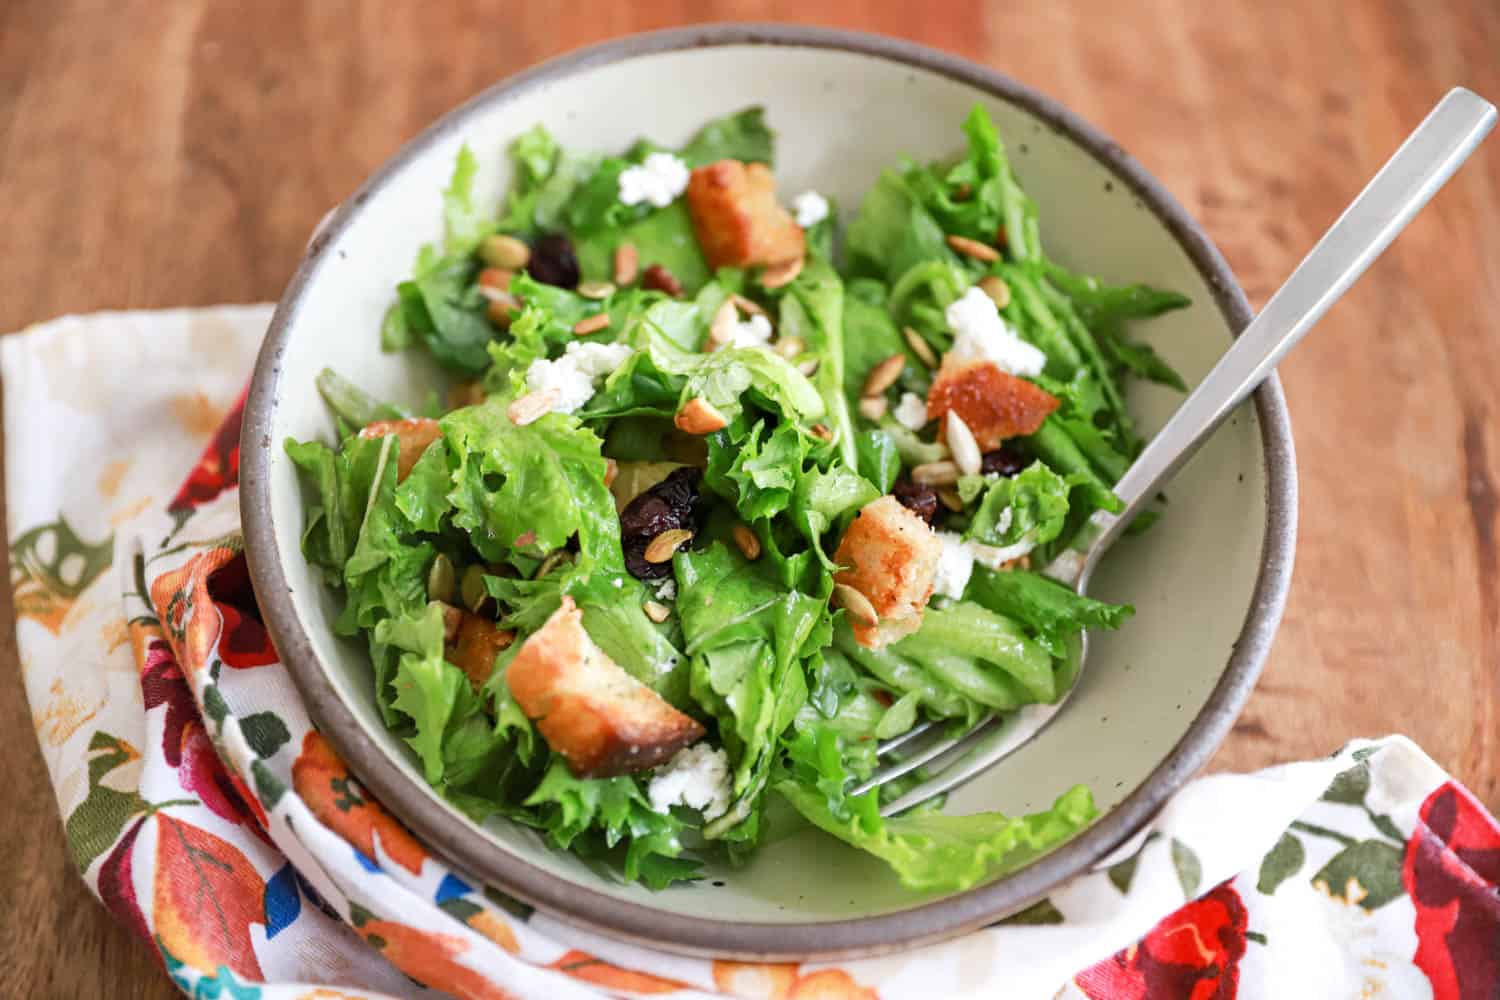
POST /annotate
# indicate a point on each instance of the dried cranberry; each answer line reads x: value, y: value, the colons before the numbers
x: 672, y: 503
x: 658, y: 279
x: 1003, y: 461
x: 553, y: 261
x: 919, y: 498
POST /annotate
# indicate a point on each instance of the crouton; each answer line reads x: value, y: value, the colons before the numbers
x: 600, y: 719
x: 737, y: 218
x: 414, y: 434
x: 890, y: 556
x: 474, y: 648
x: 995, y: 404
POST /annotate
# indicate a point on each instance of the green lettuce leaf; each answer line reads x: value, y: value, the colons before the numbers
x: 525, y: 491
x: 927, y: 851
x: 610, y: 819
x: 746, y: 636
x: 742, y: 135
x: 1031, y: 505
x: 1051, y: 613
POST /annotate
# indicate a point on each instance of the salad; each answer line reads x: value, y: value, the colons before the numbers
x: 725, y: 494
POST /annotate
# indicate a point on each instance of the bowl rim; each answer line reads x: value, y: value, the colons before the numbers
x: 466, y: 844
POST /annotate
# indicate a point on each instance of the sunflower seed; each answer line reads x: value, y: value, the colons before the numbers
x: 595, y: 289
x: 591, y: 324
x: 699, y: 416
x: 531, y: 407
x: 996, y: 289
x: 505, y: 251
x: 441, y: 580
x: 935, y: 474
x: 748, y: 543
x: 656, y: 612
x: 781, y: 274
x: 627, y: 263
x: 966, y: 453
x: 920, y: 347
x: 856, y: 604
x: 973, y: 248
x: 666, y: 544
x: 884, y: 375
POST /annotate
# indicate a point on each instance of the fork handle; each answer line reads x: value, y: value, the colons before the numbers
x: 1425, y: 161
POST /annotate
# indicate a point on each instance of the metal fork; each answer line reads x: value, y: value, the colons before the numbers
x: 1425, y: 161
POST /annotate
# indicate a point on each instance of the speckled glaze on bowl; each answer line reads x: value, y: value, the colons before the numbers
x: 1209, y: 582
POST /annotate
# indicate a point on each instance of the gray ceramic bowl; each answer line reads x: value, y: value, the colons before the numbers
x: 1209, y: 582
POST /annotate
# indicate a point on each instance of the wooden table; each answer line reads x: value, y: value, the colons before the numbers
x: 179, y: 154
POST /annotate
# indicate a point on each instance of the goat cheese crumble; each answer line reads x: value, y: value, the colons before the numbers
x: 955, y: 566
x: 911, y: 412
x: 697, y: 777
x: 980, y: 334
x: 752, y: 332
x: 659, y: 180
x: 577, y: 374
x: 810, y: 208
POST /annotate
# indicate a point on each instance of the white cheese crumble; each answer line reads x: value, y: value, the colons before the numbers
x: 995, y: 557
x: 980, y: 334
x: 658, y: 180
x: 667, y: 590
x: 955, y: 566
x: 911, y: 412
x: 697, y: 777
x: 811, y: 208
x: 752, y: 332
x: 577, y: 374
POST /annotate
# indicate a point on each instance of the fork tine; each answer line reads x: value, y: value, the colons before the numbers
x: 896, y: 742
x: 1014, y: 731
x: 916, y: 760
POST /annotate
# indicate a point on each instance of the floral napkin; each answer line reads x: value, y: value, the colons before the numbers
x: 208, y: 815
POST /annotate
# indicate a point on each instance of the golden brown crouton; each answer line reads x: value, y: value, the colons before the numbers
x: 890, y: 556
x: 995, y: 404
x: 600, y: 719
x: 474, y: 648
x: 737, y: 218
x: 414, y: 434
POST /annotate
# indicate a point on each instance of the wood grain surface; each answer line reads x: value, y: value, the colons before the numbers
x: 179, y: 153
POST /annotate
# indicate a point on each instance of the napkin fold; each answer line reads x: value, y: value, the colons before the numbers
x: 207, y: 814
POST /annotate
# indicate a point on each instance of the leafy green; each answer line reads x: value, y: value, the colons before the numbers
x: 930, y: 851
x: 443, y: 306
x: 610, y: 817
x: 1050, y: 612
x: 528, y: 490
x: 1029, y: 506
x: 746, y: 637
x: 812, y: 310
x: 893, y: 232
x: 743, y: 135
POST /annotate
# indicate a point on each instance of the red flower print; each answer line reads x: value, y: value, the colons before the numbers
x: 162, y: 683
x: 244, y: 641
x: 204, y: 774
x: 218, y: 468
x: 1194, y: 954
x: 117, y: 885
x: 1452, y: 873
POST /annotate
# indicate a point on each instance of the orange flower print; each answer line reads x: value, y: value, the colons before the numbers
x: 186, y: 609
x: 494, y: 927
x: 427, y: 957
x: 323, y: 781
x: 582, y: 965
x: 206, y: 896
x: 783, y: 981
